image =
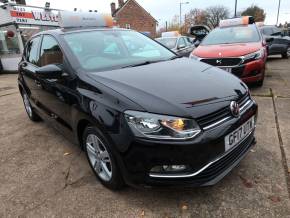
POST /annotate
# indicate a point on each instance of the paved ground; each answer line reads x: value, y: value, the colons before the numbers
x: 43, y: 175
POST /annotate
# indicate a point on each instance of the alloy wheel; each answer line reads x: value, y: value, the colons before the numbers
x: 99, y: 157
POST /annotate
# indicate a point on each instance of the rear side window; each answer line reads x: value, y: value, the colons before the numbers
x: 31, y: 54
x: 50, y: 52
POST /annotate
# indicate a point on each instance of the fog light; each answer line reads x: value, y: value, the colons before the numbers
x: 174, y: 167
x: 169, y: 168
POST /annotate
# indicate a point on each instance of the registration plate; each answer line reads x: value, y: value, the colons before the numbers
x: 239, y: 134
x: 228, y: 69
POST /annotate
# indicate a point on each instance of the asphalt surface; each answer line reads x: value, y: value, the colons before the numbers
x: 44, y: 175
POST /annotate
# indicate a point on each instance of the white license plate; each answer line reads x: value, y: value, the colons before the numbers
x: 228, y: 69
x: 239, y: 134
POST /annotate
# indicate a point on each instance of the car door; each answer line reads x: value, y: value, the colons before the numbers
x: 181, y: 47
x: 27, y: 70
x: 276, y: 46
x: 280, y: 42
x: 57, y: 94
x: 190, y: 46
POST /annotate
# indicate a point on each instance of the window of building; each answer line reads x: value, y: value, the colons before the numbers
x: 128, y: 26
x: 8, y: 44
x: 50, y: 52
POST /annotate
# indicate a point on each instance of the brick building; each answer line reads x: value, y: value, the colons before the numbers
x: 131, y: 15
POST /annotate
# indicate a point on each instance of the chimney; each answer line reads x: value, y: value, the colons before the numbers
x: 113, y: 8
x: 121, y: 3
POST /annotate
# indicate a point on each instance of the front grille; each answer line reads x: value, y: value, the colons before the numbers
x: 220, y: 62
x: 220, y: 115
x: 225, y: 162
x: 214, y: 117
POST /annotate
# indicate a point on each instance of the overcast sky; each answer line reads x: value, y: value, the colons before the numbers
x: 164, y: 10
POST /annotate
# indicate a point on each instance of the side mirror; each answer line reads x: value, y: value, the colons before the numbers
x: 269, y: 39
x: 197, y: 43
x: 50, y: 71
x: 181, y: 47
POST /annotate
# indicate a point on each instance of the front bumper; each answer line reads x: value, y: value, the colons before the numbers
x: 250, y: 72
x: 205, y: 155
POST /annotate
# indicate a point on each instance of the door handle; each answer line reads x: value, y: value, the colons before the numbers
x: 37, y: 83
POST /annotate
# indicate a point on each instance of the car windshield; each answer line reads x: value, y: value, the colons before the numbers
x: 113, y: 49
x: 168, y: 42
x: 229, y: 35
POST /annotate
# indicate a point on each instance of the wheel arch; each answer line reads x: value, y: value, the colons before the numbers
x: 81, y: 126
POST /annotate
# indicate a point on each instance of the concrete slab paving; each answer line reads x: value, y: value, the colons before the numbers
x: 283, y: 112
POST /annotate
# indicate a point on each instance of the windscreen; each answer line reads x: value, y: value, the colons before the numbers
x: 168, y: 42
x: 112, y: 49
x: 229, y: 35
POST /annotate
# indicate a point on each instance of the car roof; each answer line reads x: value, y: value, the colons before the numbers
x: 244, y: 25
x: 61, y: 31
x: 173, y: 37
x: 266, y: 26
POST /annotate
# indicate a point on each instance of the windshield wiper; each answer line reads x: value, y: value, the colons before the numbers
x: 142, y: 63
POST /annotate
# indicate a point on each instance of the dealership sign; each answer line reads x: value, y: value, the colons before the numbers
x: 34, y: 16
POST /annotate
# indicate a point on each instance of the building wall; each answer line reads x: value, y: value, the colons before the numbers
x: 5, y: 16
x: 137, y: 18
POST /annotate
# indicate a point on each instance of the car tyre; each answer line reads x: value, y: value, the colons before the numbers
x: 29, y: 109
x: 286, y: 54
x: 100, y: 156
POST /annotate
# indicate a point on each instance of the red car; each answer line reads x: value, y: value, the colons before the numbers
x: 237, y: 47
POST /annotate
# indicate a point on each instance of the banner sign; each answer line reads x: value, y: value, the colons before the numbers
x: 34, y: 16
x: 235, y: 21
x: 84, y: 19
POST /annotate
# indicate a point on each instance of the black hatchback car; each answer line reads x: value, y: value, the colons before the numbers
x: 279, y: 44
x: 143, y: 115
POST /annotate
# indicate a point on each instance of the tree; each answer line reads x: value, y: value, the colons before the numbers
x: 174, y: 24
x: 216, y: 13
x: 256, y: 12
x: 196, y: 17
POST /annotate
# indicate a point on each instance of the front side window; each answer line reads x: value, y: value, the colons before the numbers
x: 31, y: 53
x: 50, y: 52
x: 230, y: 35
x: 181, y: 43
x: 268, y: 31
x: 188, y: 41
x: 113, y: 49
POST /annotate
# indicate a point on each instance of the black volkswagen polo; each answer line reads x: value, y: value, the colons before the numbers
x: 143, y: 115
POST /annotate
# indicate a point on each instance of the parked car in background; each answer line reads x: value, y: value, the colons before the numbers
x: 237, y: 47
x: 143, y: 115
x: 181, y: 45
x: 279, y: 43
x: 199, y: 32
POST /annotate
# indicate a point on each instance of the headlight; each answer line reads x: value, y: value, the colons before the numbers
x: 254, y: 56
x: 194, y: 57
x: 160, y: 126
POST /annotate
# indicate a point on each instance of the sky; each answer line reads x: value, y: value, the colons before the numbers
x: 164, y: 10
